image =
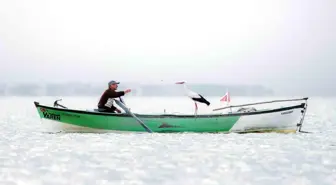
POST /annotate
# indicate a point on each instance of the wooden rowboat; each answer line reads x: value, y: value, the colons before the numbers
x: 287, y: 119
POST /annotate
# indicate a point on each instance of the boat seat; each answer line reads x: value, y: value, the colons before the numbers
x: 93, y: 110
x: 100, y: 110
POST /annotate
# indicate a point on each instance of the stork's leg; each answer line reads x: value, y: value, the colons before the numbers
x: 196, y: 108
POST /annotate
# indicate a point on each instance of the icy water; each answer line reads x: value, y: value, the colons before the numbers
x: 29, y: 155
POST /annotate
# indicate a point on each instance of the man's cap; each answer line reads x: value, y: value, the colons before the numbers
x: 113, y: 82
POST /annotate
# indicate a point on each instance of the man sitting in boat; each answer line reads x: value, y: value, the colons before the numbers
x: 106, y: 100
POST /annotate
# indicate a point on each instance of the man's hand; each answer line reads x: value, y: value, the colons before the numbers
x: 127, y: 91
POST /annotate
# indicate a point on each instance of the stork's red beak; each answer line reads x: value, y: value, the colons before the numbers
x: 179, y: 82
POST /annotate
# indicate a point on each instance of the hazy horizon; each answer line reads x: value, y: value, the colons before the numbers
x: 83, y: 89
x: 288, y: 46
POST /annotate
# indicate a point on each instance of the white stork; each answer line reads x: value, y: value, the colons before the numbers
x: 194, y: 96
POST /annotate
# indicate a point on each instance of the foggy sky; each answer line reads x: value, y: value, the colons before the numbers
x: 278, y: 43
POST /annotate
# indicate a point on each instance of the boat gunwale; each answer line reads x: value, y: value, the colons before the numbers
x: 302, y: 105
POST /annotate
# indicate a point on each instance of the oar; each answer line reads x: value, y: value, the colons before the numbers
x: 122, y: 100
x: 123, y: 106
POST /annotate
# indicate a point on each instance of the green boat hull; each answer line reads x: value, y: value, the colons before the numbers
x: 284, y: 119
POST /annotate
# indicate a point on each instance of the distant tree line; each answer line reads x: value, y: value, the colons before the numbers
x: 87, y: 89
